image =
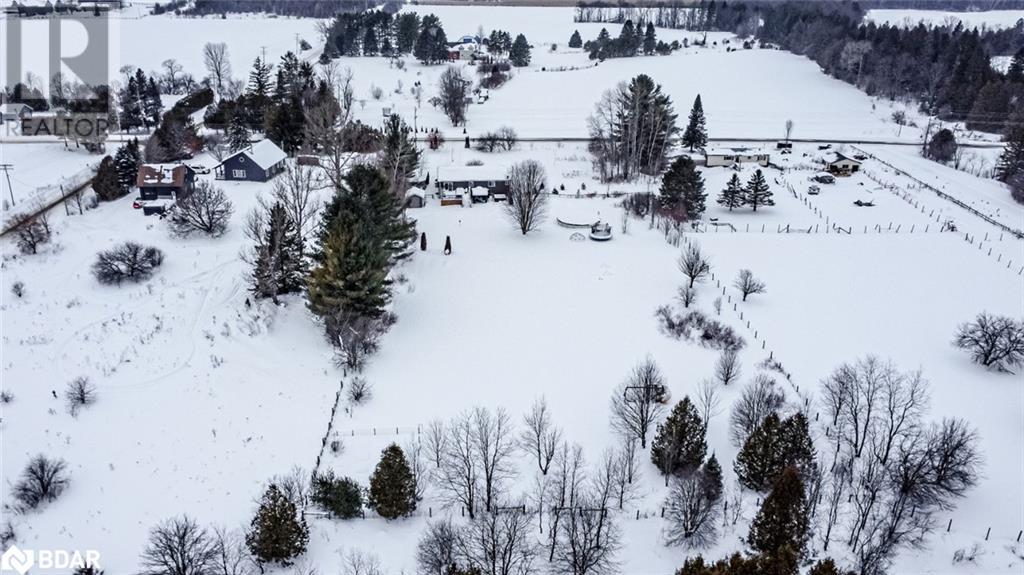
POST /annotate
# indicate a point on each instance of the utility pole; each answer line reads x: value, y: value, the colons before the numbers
x: 7, y: 172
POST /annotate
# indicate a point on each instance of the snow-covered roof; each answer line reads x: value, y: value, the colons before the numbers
x: 161, y: 175
x: 414, y: 191
x: 263, y: 153
x: 735, y: 152
x: 835, y: 157
x: 479, y: 191
x: 487, y: 172
x: 13, y: 108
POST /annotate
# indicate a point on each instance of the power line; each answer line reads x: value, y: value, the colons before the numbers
x: 7, y: 172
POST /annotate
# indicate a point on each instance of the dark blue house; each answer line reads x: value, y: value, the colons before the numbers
x: 257, y: 163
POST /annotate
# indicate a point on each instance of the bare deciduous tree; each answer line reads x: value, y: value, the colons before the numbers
x: 758, y: 399
x: 43, y: 480
x: 639, y: 401
x: 206, y: 210
x: 358, y: 562
x: 414, y: 453
x: 436, y: 550
x: 996, y: 342
x: 588, y: 540
x: 687, y: 296
x: 453, y: 91
x: 541, y: 436
x: 694, y: 264
x: 692, y: 512
x: 498, y: 543
x: 727, y: 368
x: 527, y: 200
x: 459, y: 473
x: 218, y: 63
x: 708, y: 401
x: 31, y: 231
x: 294, y: 189
x: 179, y: 546
x: 232, y: 555
x: 494, y: 444
x: 748, y: 284
x: 436, y: 439
x: 79, y: 393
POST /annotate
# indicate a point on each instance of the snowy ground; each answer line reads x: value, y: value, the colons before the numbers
x: 910, y: 18
x: 202, y: 399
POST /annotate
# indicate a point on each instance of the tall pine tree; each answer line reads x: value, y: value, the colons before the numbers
x: 399, y: 158
x: 127, y: 161
x: 392, y: 486
x: 682, y: 189
x: 278, y: 533
x: 758, y: 192
x: 278, y: 266
x: 781, y: 523
x: 732, y: 196
x: 679, y: 446
x: 105, y: 183
x: 650, y: 39
x: 1011, y: 161
x: 519, y: 54
x: 696, y: 134
x: 773, y: 446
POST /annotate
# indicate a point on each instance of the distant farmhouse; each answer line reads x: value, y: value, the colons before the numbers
x: 258, y: 163
x: 732, y: 156
x: 841, y: 165
x: 465, y: 48
x: 15, y: 112
x: 480, y: 183
x: 30, y: 8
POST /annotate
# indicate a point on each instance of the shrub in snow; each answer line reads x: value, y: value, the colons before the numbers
x: 179, y: 546
x: 18, y: 289
x: 694, y: 324
x: 80, y: 393
x: 7, y: 534
x: 128, y: 262
x: 206, y: 210
x: 437, y: 548
x: 359, y: 391
x: 6, y: 396
x: 356, y: 337
x: 43, y: 480
x: 996, y: 342
x: 32, y: 232
x: 340, y: 496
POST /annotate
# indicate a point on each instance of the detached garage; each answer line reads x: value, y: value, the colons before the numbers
x: 258, y: 163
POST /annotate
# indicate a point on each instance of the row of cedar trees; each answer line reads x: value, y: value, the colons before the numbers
x: 379, y: 33
x: 278, y: 533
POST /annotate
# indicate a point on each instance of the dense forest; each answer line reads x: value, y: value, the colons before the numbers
x: 946, y: 69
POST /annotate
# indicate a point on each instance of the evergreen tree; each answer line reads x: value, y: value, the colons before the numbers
x: 257, y: 96
x: 575, y: 41
x: 105, y: 183
x: 782, y: 521
x: 733, y: 194
x: 626, y: 42
x: 152, y: 105
x: 679, y: 446
x: 432, y: 44
x: 278, y: 266
x: 407, y: 26
x: 238, y: 133
x: 1011, y: 161
x: 519, y: 54
x: 1015, y: 73
x: 131, y: 106
x: 392, y: 486
x: 370, y: 47
x: 277, y: 533
x: 342, y: 497
x: 127, y: 161
x: 758, y: 192
x: 696, y: 134
x: 650, y: 39
x: 942, y: 146
x: 682, y: 188
x: 712, y: 478
x: 773, y: 446
x: 285, y: 125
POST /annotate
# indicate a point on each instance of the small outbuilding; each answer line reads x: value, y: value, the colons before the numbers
x: 257, y: 163
x: 841, y: 165
x: 729, y: 157
x: 415, y: 197
x: 15, y: 112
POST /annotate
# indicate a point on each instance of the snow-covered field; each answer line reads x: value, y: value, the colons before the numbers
x: 911, y: 18
x: 202, y: 398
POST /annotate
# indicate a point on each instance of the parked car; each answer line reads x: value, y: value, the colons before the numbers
x: 137, y: 203
x: 200, y: 169
x: 824, y: 178
x: 813, y: 190
x: 825, y: 147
